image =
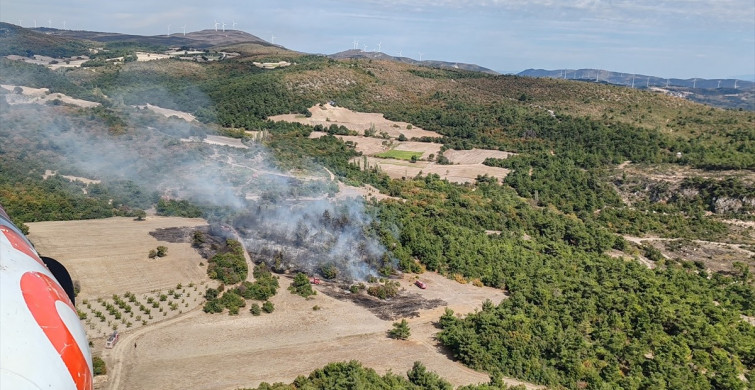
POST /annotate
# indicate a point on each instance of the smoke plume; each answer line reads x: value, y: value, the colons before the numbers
x: 292, y: 222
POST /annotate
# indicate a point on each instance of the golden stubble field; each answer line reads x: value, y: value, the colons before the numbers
x: 191, y: 349
x: 109, y: 256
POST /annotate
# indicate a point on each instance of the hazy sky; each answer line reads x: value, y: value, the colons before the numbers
x: 666, y: 38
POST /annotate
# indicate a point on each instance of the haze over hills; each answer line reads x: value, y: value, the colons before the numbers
x: 726, y: 93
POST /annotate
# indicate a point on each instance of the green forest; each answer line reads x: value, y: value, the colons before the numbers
x: 575, y: 317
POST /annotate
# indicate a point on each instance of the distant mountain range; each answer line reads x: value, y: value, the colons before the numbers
x: 356, y: 53
x: 725, y: 93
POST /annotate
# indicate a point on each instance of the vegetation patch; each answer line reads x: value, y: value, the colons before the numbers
x: 400, y: 155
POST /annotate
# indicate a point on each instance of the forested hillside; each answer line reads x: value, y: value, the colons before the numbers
x: 583, y: 310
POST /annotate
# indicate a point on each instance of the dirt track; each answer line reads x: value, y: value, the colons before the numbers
x: 226, y: 352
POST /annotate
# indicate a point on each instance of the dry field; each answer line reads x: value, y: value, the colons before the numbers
x: 427, y: 148
x: 327, y: 115
x: 372, y: 145
x: 474, y: 156
x: 204, y: 351
x: 42, y: 96
x: 185, y: 348
x: 459, y: 173
x: 167, y: 112
x: 109, y: 256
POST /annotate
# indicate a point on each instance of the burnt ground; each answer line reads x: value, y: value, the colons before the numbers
x: 211, y: 245
x: 404, y: 305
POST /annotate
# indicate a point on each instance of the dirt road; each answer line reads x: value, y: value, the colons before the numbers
x: 204, y: 351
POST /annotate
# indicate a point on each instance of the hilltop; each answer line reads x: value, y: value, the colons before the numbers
x: 360, y: 54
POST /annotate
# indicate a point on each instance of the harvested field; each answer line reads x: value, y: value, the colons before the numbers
x: 176, y: 346
x: 42, y: 96
x: 166, y: 112
x: 466, y: 173
x: 426, y: 148
x: 327, y: 115
x: 109, y: 256
x: 245, y: 350
x: 474, y: 156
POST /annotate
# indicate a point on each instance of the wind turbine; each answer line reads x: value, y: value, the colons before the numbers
x: 49, y: 23
x: 633, y: 81
x: 380, y: 45
x: 694, y: 83
x: 35, y: 23
x: 184, y: 30
x: 735, y: 83
x: 234, y: 24
x: 216, y: 25
x: 356, y: 44
x: 597, y: 75
x: 64, y: 25
x: 647, y: 83
x: 20, y: 21
x: 666, y: 83
x: 719, y: 84
x: 420, y: 56
x: 223, y: 26
x: 272, y: 39
x: 169, y: 30
x: 400, y: 53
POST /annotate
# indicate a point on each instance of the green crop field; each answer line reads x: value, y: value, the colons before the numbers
x: 399, y: 154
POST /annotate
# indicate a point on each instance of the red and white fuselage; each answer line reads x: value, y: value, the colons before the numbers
x: 42, y: 342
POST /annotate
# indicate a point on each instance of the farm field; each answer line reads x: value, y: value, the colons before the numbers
x: 399, y: 154
x: 245, y: 350
x: 176, y: 347
x: 454, y: 173
x: 109, y: 256
x: 327, y: 115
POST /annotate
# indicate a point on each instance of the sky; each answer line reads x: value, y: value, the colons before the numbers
x: 664, y: 38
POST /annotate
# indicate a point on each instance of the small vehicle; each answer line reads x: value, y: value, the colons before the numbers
x: 112, y: 340
x: 420, y: 284
x: 314, y: 280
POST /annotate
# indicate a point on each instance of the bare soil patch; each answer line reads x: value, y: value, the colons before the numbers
x: 716, y: 256
x: 474, y: 156
x: 466, y: 173
x: 49, y: 173
x: 42, y: 96
x: 327, y: 115
x: 109, y: 256
x: 244, y: 350
x: 167, y: 112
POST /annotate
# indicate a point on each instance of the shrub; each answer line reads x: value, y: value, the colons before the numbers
x: 268, y: 307
x: 255, y: 309
x: 301, y: 286
x: 99, y: 366
x: 400, y: 330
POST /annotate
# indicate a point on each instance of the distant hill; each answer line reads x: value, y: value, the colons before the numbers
x: 356, y: 53
x: 725, y: 93
x: 197, y: 39
x: 25, y: 42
